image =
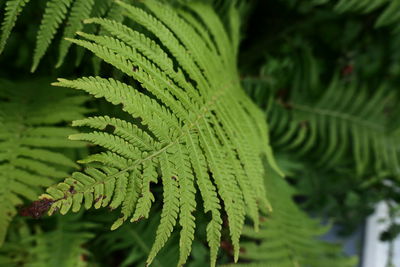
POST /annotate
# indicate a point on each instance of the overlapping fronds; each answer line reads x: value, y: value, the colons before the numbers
x: 56, y: 13
x: 288, y: 237
x: 338, y: 122
x: 193, y: 128
x: 29, y: 134
x: 64, y: 246
x: 135, y: 240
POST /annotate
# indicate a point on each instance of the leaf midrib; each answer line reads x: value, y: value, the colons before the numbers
x: 340, y: 115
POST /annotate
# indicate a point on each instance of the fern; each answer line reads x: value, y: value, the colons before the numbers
x: 12, y: 10
x: 55, y: 13
x: 196, y: 127
x: 288, y: 237
x: 330, y: 126
x: 136, y: 240
x: 80, y: 9
x: 73, y: 12
x: 62, y: 247
x: 28, y: 139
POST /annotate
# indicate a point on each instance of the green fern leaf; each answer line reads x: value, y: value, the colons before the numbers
x: 54, y: 15
x: 28, y: 136
x: 335, y: 124
x: 288, y: 237
x: 12, y: 9
x: 191, y: 124
x: 80, y: 9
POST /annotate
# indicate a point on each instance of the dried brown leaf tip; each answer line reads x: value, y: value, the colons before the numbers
x: 99, y: 198
x: 37, y: 209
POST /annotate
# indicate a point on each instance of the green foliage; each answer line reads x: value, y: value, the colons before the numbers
x: 12, y: 9
x: 389, y: 15
x: 56, y: 12
x: 338, y: 123
x: 387, y: 11
x: 288, y: 237
x: 178, y: 147
x: 136, y: 240
x: 62, y: 246
x: 30, y: 134
x: 186, y: 136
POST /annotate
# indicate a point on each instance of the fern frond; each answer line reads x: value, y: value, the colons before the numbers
x: 28, y: 137
x: 191, y: 124
x: 56, y: 12
x: 80, y: 9
x: 53, y: 16
x: 330, y: 126
x: 12, y: 9
x: 288, y: 237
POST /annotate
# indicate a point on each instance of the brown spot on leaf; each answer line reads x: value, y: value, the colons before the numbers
x: 72, y: 189
x: 37, y: 209
x: 98, y: 199
x: 138, y: 219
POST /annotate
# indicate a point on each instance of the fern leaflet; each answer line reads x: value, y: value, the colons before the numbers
x: 12, y: 10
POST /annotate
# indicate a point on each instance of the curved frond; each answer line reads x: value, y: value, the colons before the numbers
x: 192, y: 127
x: 11, y: 11
x: 53, y: 16
x: 73, y: 12
x: 80, y: 9
x: 330, y: 126
x: 288, y: 237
